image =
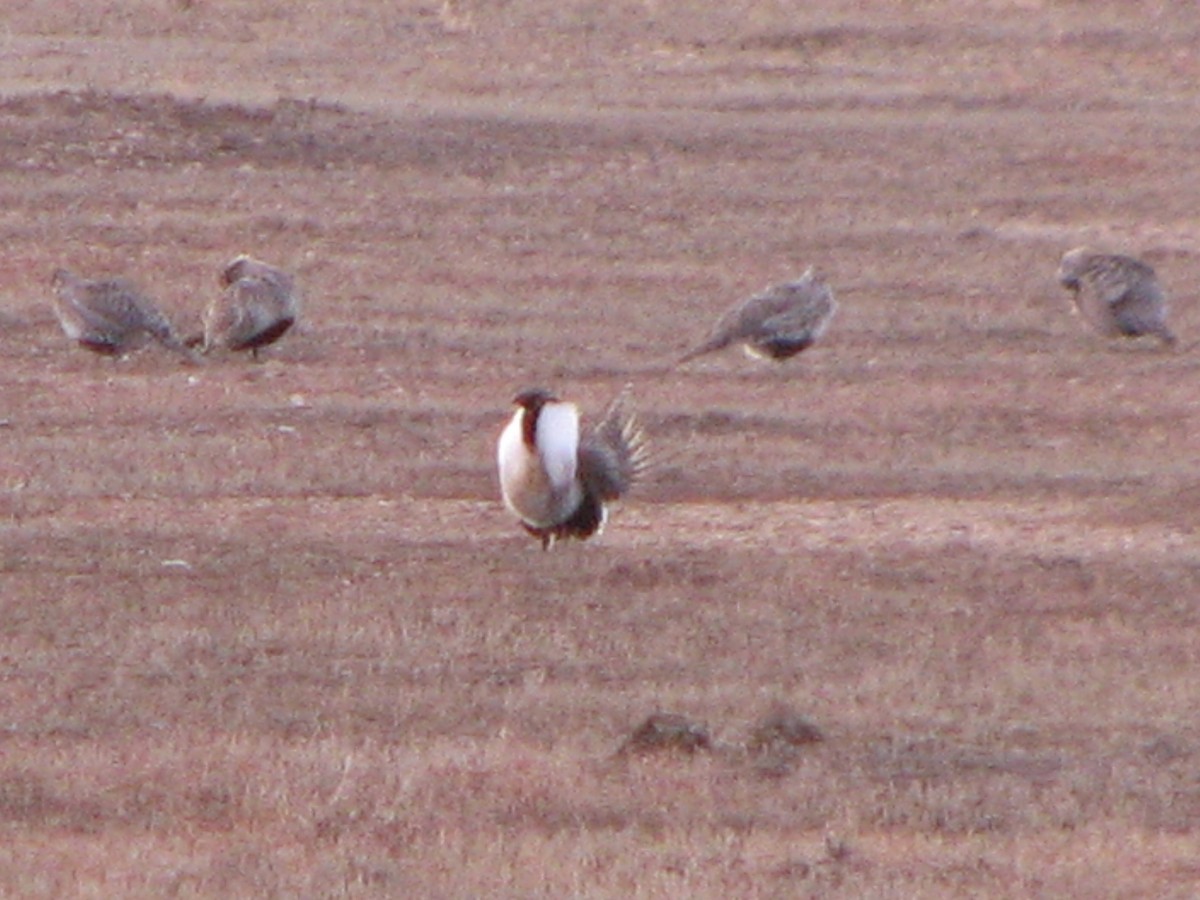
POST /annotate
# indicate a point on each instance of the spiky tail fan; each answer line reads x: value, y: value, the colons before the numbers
x: 614, y: 455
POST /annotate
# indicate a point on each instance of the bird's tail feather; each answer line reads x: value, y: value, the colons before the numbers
x: 615, y: 453
x: 717, y: 342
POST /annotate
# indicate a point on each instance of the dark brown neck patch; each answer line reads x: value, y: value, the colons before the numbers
x: 529, y: 426
x: 532, y: 402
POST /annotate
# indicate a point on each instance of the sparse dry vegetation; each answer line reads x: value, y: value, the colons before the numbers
x: 931, y: 588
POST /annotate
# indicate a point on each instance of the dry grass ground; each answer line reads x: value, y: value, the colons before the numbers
x: 268, y: 632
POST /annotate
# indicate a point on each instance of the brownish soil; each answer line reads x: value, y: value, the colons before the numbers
x: 267, y: 630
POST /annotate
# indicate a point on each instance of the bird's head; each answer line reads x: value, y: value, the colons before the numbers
x: 533, y: 399
x: 1072, y: 265
x: 235, y: 269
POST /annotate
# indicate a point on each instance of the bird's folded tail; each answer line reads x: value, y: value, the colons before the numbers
x: 716, y: 342
x: 164, y: 332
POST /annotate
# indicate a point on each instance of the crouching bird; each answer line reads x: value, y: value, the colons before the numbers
x: 257, y: 305
x: 776, y: 323
x: 1116, y: 296
x: 110, y: 316
x: 557, y: 479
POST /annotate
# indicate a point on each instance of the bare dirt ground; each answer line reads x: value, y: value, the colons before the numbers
x: 267, y: 630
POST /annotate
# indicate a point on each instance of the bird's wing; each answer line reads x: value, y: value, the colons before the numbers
x: 799, y: 307
x: 247, y: 307
x: 740, y: 322
x: 106, y: 307
x: 118, y: 307
x: 780, y: 306
x: 1114, y: 278
x: 1140, y: 308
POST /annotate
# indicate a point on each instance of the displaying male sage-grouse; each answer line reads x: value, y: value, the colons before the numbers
x: 557, y: 479
x: 1117, y: 296
x: 110, y: 316
x: 258, y: 305
x: 776, y: 323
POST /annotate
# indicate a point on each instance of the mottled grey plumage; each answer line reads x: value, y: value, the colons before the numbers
x: 1117, y: 296
x: 109, y: 316
x: 258, y: 304
x: 776, y: 323
x: 613, y: 454
x: 556, y: 479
